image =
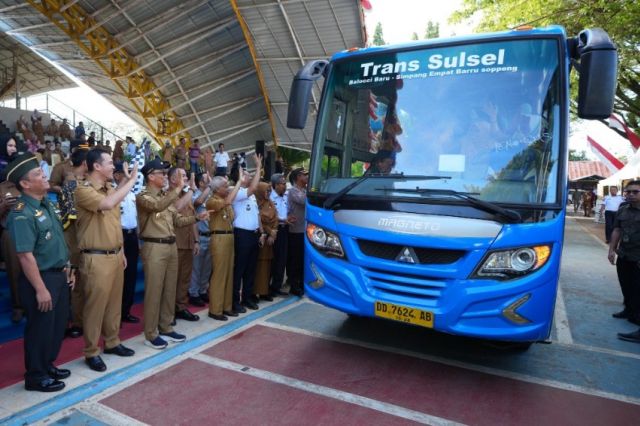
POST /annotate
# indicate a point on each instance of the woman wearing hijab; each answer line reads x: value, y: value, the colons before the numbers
x: 118, y: 152
x: 269, y: 220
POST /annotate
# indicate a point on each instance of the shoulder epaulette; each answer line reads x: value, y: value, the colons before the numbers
x: 18, y: 207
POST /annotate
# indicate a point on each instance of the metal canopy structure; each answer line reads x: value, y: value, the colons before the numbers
x: 21, y: 67
x: 216, y: 70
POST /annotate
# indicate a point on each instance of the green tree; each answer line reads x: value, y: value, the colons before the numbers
x: 618, y: 17
x: 378, y: 39
x: 432, y: 31
x: 577, y: 155
x: 293, y: 158
x: 414, y: 36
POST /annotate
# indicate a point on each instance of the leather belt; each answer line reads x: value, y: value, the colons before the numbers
x: 129, y: 231
x: 60, y: 269
x: 283, y: 225
x: 94, y: 251
x: 168, y: 240
x: 217, y: 232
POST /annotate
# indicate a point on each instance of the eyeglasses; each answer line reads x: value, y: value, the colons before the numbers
x: 632, y: 191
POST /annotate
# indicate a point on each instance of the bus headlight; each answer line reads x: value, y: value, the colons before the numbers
x: 326, y: 242
x: 514, y: 263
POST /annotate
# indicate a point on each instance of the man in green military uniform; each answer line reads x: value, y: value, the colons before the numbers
x: 37, y: 234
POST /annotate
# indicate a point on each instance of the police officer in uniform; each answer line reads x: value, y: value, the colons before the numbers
x: 625, y: 242
x: 157, y: 219
x: 43, y: 283
x: 102, y: 256
x: 279, y: 197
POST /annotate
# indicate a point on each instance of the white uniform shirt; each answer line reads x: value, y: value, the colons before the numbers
x: 282, y: 205
x: 221, y: 159
x: 246, y: 211
x: 128, y: 212
x: 611, y: 203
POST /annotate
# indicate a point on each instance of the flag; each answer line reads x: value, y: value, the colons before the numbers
x: 618, y: 123
x: 609, y: 160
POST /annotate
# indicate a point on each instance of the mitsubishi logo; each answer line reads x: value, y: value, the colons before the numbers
x: 407, y: 255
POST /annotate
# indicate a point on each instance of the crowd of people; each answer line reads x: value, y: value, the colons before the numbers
x: 204, y: 239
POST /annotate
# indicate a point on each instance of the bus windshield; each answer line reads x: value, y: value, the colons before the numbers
x: 480, y: 119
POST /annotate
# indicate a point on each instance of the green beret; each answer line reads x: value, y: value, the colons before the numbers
x: 20, y: 166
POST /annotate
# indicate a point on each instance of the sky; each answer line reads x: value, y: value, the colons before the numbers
x: 401, y: 18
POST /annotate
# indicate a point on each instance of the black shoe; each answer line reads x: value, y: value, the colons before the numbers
x: 58, y: 373
x: 205, y: 298
x: 186, y: 315
x: 277, y: 293
x: 239, y: 309
x: 120, y: 350
x: 130, y: 319
x: 218, y: 317
x: 630, y: 337
x: 96, y: 363
x: 622, y: 314
x: 250, y: 304
x: 297, y: 292
x: 230, y: 313
x: 46, y: 385
x: 196, y: 301
x: 73, y: 332
x: 634, y: 319
x: 268, y: 298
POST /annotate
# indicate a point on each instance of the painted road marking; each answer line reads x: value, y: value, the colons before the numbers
x: 81, y: 393
x: 327, y: 392
x: 464, y: 365
x: 561, y: 320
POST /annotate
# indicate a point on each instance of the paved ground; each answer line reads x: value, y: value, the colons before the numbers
x: 295, y: 362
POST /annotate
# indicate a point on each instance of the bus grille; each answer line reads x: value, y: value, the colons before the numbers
x: 405, y: 285
x: 425, y: 256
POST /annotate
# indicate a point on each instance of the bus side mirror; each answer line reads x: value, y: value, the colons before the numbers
x: 598, y: 74
x: 300, y: 94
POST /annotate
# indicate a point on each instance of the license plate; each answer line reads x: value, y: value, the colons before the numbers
x: 404, y: 314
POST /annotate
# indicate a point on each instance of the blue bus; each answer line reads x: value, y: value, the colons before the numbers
x: 438, y: 177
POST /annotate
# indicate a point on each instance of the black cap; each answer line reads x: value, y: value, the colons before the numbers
x: 78, y: 143
x: 20, y: 166
x: 155, y: 164
x: 294, y: 174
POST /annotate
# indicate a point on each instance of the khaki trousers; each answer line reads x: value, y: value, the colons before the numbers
x: 185, y: 266
x: 77, y: 294
x: 103, y: 278
x: 160, y: 262
x: 12, y: 266
x: 263, y: 271
x: 221, y: 284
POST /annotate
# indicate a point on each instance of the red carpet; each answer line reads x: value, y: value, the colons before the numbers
x: 12, y: 352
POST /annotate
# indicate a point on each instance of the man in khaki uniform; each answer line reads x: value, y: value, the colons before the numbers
x: 69, y: 215
x: 157, y: 219
x: 102, y: 259
x: 187, y: 242
x: 221, y: 246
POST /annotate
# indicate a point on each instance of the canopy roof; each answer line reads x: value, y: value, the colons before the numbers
x: 36, y: 75
x: 218, y: 70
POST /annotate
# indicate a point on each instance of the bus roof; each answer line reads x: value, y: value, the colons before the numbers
x: 554, y: 30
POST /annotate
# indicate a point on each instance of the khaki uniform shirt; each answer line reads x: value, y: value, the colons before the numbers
x: 60, y: 173
x: 157, y: 216
x: 7, y: 187
x: 222, y: 217
x: 185, y: 237
x: 97, y: 229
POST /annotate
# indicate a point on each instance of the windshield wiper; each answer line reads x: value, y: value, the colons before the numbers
x: 512, y: 216
x: 332, y: 200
